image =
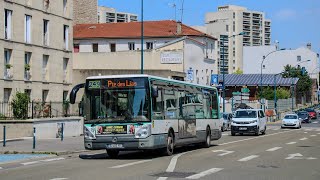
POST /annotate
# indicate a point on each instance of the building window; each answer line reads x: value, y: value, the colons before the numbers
x: 149, y: 45
x: 65, y: 96
x: 45, y: 32
x: 6, y: 94
x: 113, y: 47
x: 131, y: 46
x: 234, y: 15
x: 45, y: 94
x: 27, y: 29
x: 65, y: 69
x: 76, y: 48
x: 45, y: 73
x: 234, y: 26
x: 7, y: 64
x: 27, y: 66
x: 65, y: 7
x: 95, y: 47
x: 66, y: 37
x: 298, y: 58
x: 7, y: 23
x: 227, y: 28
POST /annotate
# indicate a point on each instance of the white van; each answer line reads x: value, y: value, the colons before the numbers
x: 249, y: 121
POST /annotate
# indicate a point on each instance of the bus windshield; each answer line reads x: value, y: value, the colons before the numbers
x: 128, y: 104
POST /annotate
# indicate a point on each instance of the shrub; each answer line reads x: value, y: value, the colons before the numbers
x: 20, y: 105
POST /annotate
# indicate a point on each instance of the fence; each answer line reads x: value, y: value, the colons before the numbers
x: 36, y: 109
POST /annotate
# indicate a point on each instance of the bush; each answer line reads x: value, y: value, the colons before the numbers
x: 20, y: 105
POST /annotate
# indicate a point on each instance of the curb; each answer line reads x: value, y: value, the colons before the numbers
x: 44, y: 152
x: 16, y: 139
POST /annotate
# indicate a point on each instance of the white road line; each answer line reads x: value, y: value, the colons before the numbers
x: 162, y: 178
x: 313, y: 135
x: 204, y: 173
x: 130, y: 164
x: 53, y: 159
x: 225, y: 134
x: 302, y: 139
x: 274, y: 149
x: 31, y: 162
x: 314, y: 122
x: 224, y: 152
x: 305, y: 132
x: 248, y: 158
x: 291, y: 142
x: 173, y: 162
x: 256, y: 137
x: 59, y: 179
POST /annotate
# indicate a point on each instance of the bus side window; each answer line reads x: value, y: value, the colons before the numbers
x: 158, y: 106
x: 214, y: 106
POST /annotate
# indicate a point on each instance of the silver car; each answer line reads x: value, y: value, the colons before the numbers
x: 227, y: 117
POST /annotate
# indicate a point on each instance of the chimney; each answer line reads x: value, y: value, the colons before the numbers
x: 179, y: 27
x: 309, y: 46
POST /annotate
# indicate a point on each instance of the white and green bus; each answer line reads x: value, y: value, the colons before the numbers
x: 143, y: 112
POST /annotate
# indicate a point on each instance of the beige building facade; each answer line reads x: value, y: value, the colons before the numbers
x: 111, y: 15
x: 36, y: 44
x: 227, y: 23
x: 85, y: 11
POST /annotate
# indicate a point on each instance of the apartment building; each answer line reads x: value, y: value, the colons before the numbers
x: 85, y: 11
x: 171, y: 50
x: 226, y: 24
x: 36, y: 41
x: 110, y: 15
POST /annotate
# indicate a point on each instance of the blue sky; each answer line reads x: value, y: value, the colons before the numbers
x: 294, y: 22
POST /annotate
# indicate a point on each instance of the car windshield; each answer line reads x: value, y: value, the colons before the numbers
x: 302, y: 114
x: 246, y: 114
x: 309, y: 110
x: 291, y: 117
x: 225, y: 116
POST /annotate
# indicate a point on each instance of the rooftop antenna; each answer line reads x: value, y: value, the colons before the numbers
x: 173, y: 5
x: 182, y: 10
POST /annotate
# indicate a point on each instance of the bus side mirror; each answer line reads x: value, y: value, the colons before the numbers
x: 154, y: 91
x: 73, y: 93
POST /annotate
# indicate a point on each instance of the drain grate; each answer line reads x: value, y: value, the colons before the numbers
x: 174, y: 174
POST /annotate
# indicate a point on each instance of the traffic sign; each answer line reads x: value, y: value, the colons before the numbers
x: 214, y: 79
x: 190, y: 75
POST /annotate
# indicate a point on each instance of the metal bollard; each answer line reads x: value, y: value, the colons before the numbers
x: 4, y: 136
x: 62, y: 131
x: 34, y: 138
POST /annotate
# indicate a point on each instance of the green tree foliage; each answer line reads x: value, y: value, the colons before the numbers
x: 20, y: 105
x: 238, y: 71
x: 282, y: 93
x: 304, y: 84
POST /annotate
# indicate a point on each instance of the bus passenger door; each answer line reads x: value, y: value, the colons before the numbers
x: 187, y: 117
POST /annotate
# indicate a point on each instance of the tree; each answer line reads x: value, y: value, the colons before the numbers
x: 304, y: 84
x: 282, y: 93
x: 238, y: 71
x: 20, y: 105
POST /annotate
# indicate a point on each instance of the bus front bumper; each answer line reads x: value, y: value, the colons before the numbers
x: 125, y: 143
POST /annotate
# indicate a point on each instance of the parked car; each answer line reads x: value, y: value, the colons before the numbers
x: 291, y: 120
x: 249, y: 121
x: 304, y: 116
x: 227, y: 117
x: 312, y: 113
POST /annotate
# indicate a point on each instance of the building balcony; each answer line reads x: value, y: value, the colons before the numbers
x: 8, y: 75
x: 27, y: 75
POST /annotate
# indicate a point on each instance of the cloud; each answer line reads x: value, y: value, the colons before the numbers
x: 286, y: 14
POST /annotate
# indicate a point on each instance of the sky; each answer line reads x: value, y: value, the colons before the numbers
x: 294, y: 22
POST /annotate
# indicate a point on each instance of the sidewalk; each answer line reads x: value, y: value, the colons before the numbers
x: 48, y: 146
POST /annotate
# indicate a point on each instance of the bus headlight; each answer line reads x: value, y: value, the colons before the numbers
x: 89, y: 132
x: 144, y: 131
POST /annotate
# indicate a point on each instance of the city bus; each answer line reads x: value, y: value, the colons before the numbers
x: 143, y: 112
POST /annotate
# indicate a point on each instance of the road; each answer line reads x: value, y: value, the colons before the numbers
x: 280, y: 154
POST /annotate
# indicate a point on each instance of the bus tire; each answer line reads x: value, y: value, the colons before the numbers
x: 207, y: 143
x: 170, y: 144
x: 113, y: 153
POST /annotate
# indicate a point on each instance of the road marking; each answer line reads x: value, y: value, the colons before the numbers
x: 274, y: 149
x: 225, y: 134
x: 294, y: 156
x: 248, y: 158
x: 130, y: 164
x: 223, y: 154
x: 59, y: 179
x: 302, y: 139
x: 53, y: 159
x: 313, y: 135
x: 291, y: 142
x: 204, y: 173
x: 162, y: 178
x: 31, y: 162
x: 311, y: 158
x: 314, y: 122
x: 173, y: 162
x: 305, y: 132
x: 256, y: 137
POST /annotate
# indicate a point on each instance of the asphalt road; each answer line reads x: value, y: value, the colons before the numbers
x: 280, y: 154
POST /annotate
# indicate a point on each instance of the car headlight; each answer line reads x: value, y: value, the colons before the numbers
x: 254, y: 121
x: 295, y: 122
x: 143, y: 132
x: 89, y: 132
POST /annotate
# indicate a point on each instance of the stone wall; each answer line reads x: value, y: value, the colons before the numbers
x: 85, y: 11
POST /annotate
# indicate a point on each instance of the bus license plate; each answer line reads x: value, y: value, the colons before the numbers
x: 110, y: 146
x: 243, y: 128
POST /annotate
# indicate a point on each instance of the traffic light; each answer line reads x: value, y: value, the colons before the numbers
x: 303, y: 71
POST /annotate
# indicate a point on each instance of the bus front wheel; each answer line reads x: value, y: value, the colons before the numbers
x: 170, y: 144
x: 113, y: 153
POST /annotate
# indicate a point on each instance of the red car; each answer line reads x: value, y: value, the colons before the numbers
x: 312, y: 113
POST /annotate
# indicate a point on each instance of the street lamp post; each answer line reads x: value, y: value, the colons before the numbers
x: 223, y: 72
x: 141, y: 69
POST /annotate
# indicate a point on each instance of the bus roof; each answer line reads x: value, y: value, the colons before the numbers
x: 148, y: 76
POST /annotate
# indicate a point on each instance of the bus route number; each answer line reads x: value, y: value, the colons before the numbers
x: 94, y: 84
